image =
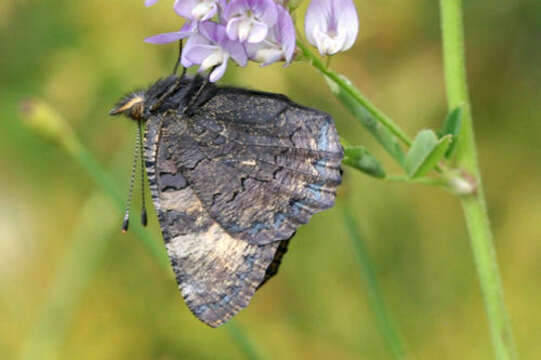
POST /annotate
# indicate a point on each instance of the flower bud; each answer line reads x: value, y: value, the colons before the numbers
x: 331, y: 25
x: 463, y: 184
x: 49, y: 124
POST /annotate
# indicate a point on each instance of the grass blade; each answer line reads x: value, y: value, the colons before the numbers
x: 384, y: 322
x: 73, y: 275
x: 243, y: 342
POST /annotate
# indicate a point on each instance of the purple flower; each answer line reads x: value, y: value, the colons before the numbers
x: 199, y: 10
x: 279, y: 43
x: 331, y: 25
x: 150, y: 2
x: 210, y: 47
x: 250, y: 20
x: 188, y: 29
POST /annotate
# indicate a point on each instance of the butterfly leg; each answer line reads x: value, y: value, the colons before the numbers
x: 192, y: 104
x: 178, y: 63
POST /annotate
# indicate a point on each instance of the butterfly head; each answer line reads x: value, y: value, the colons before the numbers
x: 132, y: 105
x: 172, y: 92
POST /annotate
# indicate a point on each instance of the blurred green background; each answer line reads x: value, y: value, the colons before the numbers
x: 64, y: 263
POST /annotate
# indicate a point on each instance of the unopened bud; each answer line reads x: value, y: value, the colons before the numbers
x: 41, y: 118
x: 463, y: 184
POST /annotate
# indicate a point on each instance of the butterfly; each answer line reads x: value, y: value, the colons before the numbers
x: 232, y: 173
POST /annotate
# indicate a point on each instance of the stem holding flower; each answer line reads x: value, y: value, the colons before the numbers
x: 474, y: 205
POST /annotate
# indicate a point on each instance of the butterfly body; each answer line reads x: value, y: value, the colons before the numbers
x: 233, y: 173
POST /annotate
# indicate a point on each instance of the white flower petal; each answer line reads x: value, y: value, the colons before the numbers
x: 331, y: 25
x: 219, y: 71
x: 217, y: 57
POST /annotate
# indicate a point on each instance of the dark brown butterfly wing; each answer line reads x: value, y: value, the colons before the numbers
x: 260, y: 164
x: 231, y: 183
x: 217, y: 273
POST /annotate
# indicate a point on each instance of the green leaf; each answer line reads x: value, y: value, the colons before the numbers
x: 425, y: 153
x: 452, y: 126
x: 382, y: 135
x: 452, y: 122
x: 359, y: 158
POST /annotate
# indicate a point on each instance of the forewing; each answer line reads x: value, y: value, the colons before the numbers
x: 217, y: 273
x: 260, y: 164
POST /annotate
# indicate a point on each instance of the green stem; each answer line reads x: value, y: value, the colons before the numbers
x: 474, y: 205
x: 385, y: 324
x: 73, y: 276
x: 422, y: 180
x: 100, y: 177
x: 243, y: 342
x: 353, y: 92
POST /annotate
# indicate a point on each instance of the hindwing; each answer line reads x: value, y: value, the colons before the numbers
x: 217, y: 274
x: 231, y: 182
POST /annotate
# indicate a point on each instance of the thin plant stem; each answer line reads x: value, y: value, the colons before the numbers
x: 422, y: 180
x: 473, y: 205
x: 73, y: 275
x: 385, y: 324
x: 91, y: 165
x: 243, y: 342
x: 352, y: 91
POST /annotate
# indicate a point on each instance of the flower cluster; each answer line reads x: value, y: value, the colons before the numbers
x: 256, y: 30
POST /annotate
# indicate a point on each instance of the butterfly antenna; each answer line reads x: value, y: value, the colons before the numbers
x: 126, y: 221
x: 141, y: 156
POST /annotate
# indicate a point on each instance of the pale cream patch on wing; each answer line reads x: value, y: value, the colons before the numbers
x: 182, y: 201
x: 249, y: 162
x: 217, y: 274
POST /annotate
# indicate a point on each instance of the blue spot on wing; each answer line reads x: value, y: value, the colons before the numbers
x: 279, y: 220
x: 257, y: 227
x: 321, y: 167
x: 323, y: 140
x: 298, y: 207
x: 314, y: 190
x: 234, y: 227
x: 253, y: 229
